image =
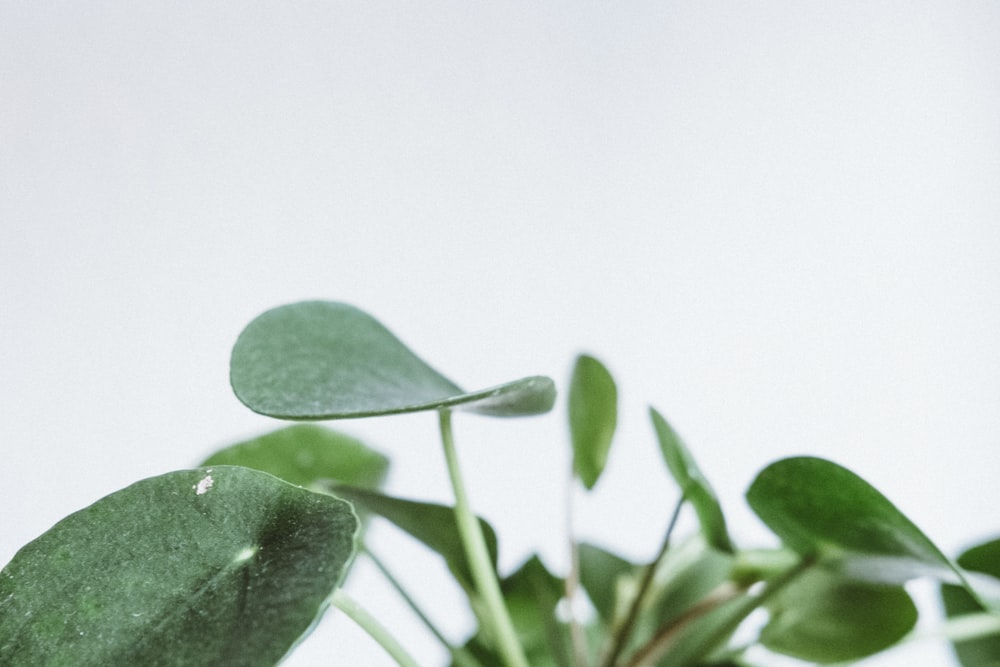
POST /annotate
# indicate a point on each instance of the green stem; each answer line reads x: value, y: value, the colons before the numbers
x: 483, y: 572
x: 458, y: 654
x: 728, y: 591
x: 572, y: 584
x: 625, y: 631
x: 376, y: 630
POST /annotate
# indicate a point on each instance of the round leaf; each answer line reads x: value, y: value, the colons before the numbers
x: 820, y: 617
x: 818, y: 507
x: 214, y: 566
x: 328, y: 360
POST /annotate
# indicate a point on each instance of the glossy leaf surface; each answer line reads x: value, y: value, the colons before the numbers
x: 983, y: 558
x: 823, y: 618
x: 327, y: 360
x: 593, y: 415
x: 818, y: 507
x: 306, y: 454
x: 694, y: 485
x: 433, y: 525
x: 198, y: 567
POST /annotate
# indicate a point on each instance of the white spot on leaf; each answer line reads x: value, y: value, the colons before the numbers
x: 245, y: 555
x: 204, y: 485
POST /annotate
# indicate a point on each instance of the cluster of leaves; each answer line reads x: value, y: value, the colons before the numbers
x: 235, y: 561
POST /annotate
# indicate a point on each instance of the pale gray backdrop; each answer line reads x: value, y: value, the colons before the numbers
x: 777, y: 222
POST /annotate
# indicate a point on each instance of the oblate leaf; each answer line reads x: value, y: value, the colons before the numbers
x: 221, y: 565
x: 818, y: 507
x: 433, y: 525
x: 983, y: 558
x: 693, y: 483
x: 821, y: 617
x: 329, y: 360
x: 593, y: 414
x: 306, y: 454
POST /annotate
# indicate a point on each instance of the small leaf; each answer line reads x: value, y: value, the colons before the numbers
x: 692, y: 483
x: 222, y: 565
x: 985, y: 559
x: 818, y: 507
x: 327, y: 360
x: 433, y: 525
x: 600, y: 574
x: 823, y: 618
x: 306, y: 454
x: 593, y: 414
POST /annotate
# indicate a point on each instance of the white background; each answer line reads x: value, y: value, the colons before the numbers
x: 777, y: 222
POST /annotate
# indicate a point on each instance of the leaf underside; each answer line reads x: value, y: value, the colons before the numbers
x: 818, y: 507
x: 221, y: 565
x: 328, y: 360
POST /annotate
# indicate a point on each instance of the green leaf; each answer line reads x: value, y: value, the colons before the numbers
x: 593, y: 414
x: 327, y: 360
x: 820, y: 617
x: 818, y: 507
x: 531, y: 595
x: 222, y: 565
x: 601, y: 573
x: 983, y: 558
x: 306, y: 454
x: 433, y: 525
x: 693, y: 483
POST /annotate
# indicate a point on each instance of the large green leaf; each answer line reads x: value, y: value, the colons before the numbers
x: 821, y: 617
x: 694, y: 485
x: 593, y: 414
x: 433, y: 525
x: 983, y: 558
x: 818, y: 507
x: 221, y: 565
x: 306, y: 454
x: 329, y: 360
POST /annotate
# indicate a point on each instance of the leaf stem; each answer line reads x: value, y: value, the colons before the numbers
x: 572, y: 583
x: 370, y: 624
x: 483, y: 572
x: 625, y: 631
x: 725, y: 592
x: 461, y: 657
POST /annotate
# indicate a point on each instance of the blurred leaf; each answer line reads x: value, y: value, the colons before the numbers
x: 328, y: 360
x: 433, y: 525
x: 822, y: 618
x: 600, y: 574
x: 688, y: 574
x: 593, y: 414
x: 531, y: 594
x: 223, y: 565
x: 818, y: 507
x: 983, y: 558
x: 305, y: 454
x: 693, y: 483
